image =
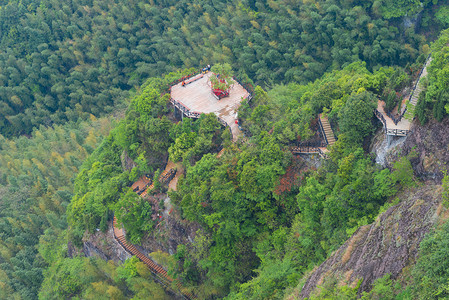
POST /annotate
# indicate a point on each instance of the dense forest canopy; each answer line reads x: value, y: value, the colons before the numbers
x: 61, y: 60
x: 84, y: 83
x: 36, y: 185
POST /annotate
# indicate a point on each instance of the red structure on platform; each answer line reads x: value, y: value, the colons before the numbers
x: 220, y: 92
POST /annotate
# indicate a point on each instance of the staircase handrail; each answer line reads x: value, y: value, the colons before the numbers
x: 416, y: 85
x: 322, y: 130
x: 162, y: 279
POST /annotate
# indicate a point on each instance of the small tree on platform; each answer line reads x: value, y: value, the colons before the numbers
x: 224, y: 80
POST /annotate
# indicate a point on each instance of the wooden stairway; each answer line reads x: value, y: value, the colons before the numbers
x: 169, y: 169
x: 327, y: 130
x: 415, y: 96
x: 418, y: 89
x: 157, y: 270
x: 220, y: 153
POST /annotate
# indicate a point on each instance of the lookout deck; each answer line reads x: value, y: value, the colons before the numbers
x: 196, y: 98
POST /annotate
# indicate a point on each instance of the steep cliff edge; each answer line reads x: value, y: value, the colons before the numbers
x: 431, y: 144
x: 100, y: 244
x: 387, y: 246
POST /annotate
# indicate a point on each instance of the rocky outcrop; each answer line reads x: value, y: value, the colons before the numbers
x: 169, y: 232
x: 385, y: 247
x: 431, y: 144
x: 104, y: 246
x: 127, y: 163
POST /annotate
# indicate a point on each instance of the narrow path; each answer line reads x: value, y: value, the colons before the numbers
x: 157, y: 270
x: 418, y: 89
x: 119, y: 235
x: 328, y: 135
x: 402, y: 126
x: 327, y: 130
x: 170, y: 168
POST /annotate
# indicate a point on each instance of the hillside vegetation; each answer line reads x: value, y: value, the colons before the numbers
x: 61, y: 60
x: 84, y: 87
x: 248, y: 225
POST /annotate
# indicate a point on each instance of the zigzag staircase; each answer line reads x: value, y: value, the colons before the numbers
x: 159, y: 272
x: 169, y: 171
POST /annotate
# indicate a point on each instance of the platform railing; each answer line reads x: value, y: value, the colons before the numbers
x: 398, y: 119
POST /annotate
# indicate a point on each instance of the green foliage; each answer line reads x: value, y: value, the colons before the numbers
x: 224, y: 81
x: 70, y: 61
x: 194, y: 139
x: 437, y: 95
x: 430, y: 274
x: 128, y: 270
x: 234, y: 202
x: 355, y: 117
x: 383, y: 288
x: 445, y: 192
x: 64, y: 60
x: 287, y: 111
x: 391, y: 100
x: 333, y: 290
x: 421, y: 109
x: 101, y: 185
x: 403, y: 172
x: 270, y: 283
x: 134, y: 213
x: 36, y: 184
x: 399, y: 8
x: 93, y: 278
x: 331, y: 207
x: 442, y: 15
x: 97, y: 186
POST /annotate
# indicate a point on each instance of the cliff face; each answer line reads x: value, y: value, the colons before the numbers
x: 100, y: 244
x: 385, y: 247
x: 391, y: 243
x: 431, y: 144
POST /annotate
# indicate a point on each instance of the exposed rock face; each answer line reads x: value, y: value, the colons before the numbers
x: 384, y: 146
x: 127, y: 163
x: 169, y: 233
x: 103, y: 245
x: 431, y: 144
x: 384, y: 247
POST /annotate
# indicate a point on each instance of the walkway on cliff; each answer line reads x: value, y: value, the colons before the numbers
x: 196, y: 97
x: 401, y: 125
x: 328, y: 136
x: 157, y: 270
x: 169, y: 176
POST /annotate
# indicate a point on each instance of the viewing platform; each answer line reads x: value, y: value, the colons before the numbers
x: 196, y: 97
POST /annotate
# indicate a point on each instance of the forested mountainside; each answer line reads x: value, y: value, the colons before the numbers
x: 61, y: 60
x: 85, y: 113
x: 36, y: 185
